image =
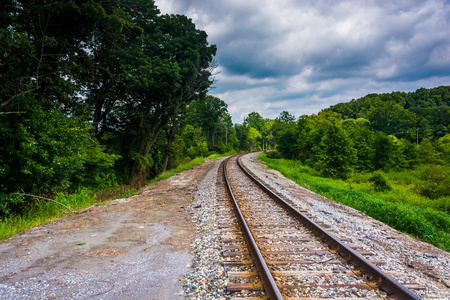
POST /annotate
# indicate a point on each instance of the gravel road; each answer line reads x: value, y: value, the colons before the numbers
x: 134, y: 248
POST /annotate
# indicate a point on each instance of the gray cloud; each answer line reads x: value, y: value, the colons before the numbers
x: 303, y: 56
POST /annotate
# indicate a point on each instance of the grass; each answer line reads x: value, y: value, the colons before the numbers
x: 217, y: 155
x: 398, y: 208
x: 46, y: 211
x: 183, y: 167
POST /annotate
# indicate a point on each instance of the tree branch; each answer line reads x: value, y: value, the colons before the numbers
x: 12, y: 112
x: 47, y: 199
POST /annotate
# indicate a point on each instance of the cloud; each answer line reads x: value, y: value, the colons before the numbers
x: 303, y: 56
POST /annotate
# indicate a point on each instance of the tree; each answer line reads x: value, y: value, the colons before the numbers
x: 242, y: 136
x: 285, y: 118
x: 309, y: 132
x: 362, y: 135
x: 207, y: 113
x: 266, y: 126
x: 383, y: 146
x: 286, y: 142
x: 337, y: 154
x: 45, y: 136
x: 254, y: 120
x: 443, y: 147
x: 253, y: 135
x: 391, y: 118
x: 186, y: 61
x: 426, y: 152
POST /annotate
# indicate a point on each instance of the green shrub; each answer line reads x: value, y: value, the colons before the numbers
x: 380, y: 182
x: 436, y: 182
x: 10, y: 203
x: 273, y: 154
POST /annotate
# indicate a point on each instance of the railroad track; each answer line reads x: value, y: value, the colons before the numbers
x: 273, y: 250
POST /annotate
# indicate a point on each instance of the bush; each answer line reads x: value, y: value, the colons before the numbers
x: 380, y: 182
x: 273, y: 154
x: 10, y: 203
x: 437, y: 182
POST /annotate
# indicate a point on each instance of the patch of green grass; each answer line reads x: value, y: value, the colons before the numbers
x: 217, y: 155
x: 393, y: 207
x: 45, y: 211
x: 214, y: 156
x: 183, y: 167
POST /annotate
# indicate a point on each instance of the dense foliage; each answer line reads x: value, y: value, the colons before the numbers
x: 92, y: 93
x: 386, y: 155
x: 424, y: 113
x: 375, y: 132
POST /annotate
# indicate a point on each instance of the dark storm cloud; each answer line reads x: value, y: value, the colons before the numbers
x: 303, y: 56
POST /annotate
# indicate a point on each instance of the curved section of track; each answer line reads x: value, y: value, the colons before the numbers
x: 283, y: 240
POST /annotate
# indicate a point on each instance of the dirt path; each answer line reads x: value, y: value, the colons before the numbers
x: 134, y: 248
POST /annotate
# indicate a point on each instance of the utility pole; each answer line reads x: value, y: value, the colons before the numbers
x: 226, y: 135
x: 417, y: 137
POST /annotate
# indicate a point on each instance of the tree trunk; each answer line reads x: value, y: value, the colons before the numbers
x: 137, y: 170
x: 170, y: 137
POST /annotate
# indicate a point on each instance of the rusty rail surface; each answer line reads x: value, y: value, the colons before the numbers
x: 269, y: 284
x: 383, y: 280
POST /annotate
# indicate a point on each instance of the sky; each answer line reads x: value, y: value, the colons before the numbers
x: 303, y: 56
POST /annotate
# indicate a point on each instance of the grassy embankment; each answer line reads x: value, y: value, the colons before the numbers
x: 400, y: 208
x: 45, y: 211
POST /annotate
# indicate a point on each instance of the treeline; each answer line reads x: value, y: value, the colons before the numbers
x: 422, y: 114
x: 97, y: 93
x: 377, y: 132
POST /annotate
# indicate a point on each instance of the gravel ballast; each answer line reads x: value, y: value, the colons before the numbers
x: 407, y: 259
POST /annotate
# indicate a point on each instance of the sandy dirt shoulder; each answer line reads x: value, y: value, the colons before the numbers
x: 134, y: 248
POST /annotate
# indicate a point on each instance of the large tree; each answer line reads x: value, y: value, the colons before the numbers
x: 78, y: 72
x: 337, y: 154
x: 207, y: 113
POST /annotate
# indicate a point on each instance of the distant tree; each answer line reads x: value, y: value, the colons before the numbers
x: 362, y: 136
x: 285, y: 118
x: 242, y: 136
x: 391, y: 118
x: 207, y: 113
x: 266, y: 133
x: 337, y: 154
x: 426, y: 152
x: 384, y: 147
x: 254, y: 120
x: 309, y: 133
x: 286, y: 143
x: 253, y: 135
x: 443, y: 147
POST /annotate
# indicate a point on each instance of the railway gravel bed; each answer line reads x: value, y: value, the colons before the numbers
x: 423, y: 263
x: 407, y: 259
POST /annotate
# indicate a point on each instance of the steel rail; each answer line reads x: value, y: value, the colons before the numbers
x: 269, y: 284
x: 383, y: 280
